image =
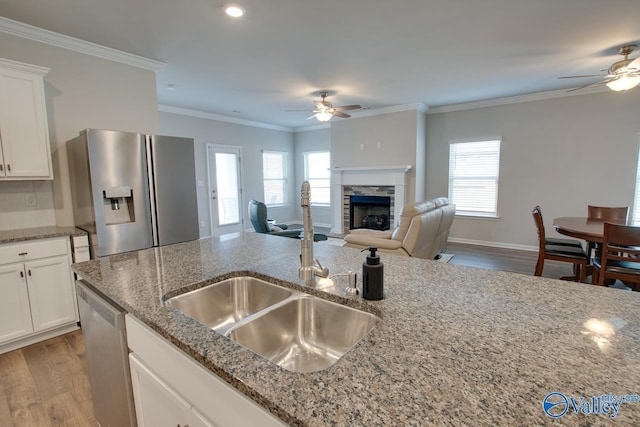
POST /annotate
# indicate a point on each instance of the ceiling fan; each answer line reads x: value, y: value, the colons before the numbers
x: 325, y: 110
x: 621, y: 75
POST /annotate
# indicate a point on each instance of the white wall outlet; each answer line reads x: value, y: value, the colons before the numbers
x: 30, y: 200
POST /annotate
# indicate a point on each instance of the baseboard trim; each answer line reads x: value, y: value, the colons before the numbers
x: 35, y: 338
x: 493, y: 244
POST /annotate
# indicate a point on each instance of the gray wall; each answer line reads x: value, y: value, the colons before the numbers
x: 562, y: 154
x: 312, y: 140
x: 354, y: 142
x: 252, y: 141
x: 81, y: 91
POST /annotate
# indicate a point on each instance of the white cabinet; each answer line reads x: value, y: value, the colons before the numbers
x: 157, y: 403
x: 25, y: 151
x: 15, y: 314
x: 37, y: 294
x: 184, y: 382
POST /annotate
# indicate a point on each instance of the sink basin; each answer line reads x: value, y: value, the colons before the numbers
x: 305, y: 334
x: 225, y: 303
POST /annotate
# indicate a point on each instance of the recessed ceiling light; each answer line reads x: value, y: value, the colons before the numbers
x: 234, y: 10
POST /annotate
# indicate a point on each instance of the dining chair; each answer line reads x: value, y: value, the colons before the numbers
x: 605, y: 213
x: 556, y: 240
x: 575, y: 255
x: 619, y: 257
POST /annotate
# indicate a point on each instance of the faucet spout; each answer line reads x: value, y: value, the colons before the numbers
x: 309, y: 266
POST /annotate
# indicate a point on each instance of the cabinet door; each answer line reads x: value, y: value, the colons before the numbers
x: 157, y: 404
x: 23, y: 126
x: 15, y: 316
x: 50, y: 292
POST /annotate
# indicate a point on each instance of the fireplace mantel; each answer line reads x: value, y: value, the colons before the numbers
x: 391, y: 169
x: 363, y: 176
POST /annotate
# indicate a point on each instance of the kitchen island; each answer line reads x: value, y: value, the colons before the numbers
x: 456, y: 345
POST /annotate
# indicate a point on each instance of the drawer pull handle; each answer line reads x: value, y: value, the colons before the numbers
x: 22, y: 274
x: 29, y: 272
x: 9, y: 167
x: 23, y: 253
x: 1, y: 168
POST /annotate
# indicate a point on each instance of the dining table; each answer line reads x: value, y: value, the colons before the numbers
x: 587, y: 229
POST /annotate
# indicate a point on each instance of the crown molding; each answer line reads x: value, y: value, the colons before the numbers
x: 211, y: 116
x: 422, y: 107
x: 21, y: 66
x: 41, y: 35
x: 538, y: 96
x: 313, y: 127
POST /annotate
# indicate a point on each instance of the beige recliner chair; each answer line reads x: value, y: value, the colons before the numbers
x: 422, y: 232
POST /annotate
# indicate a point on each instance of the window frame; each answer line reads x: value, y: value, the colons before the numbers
x: 284, y: 178
x: 493, y: 174
x: 305, y: 156
x: 635, y: 213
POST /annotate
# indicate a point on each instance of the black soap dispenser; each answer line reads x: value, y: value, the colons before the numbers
x: 372, y: 276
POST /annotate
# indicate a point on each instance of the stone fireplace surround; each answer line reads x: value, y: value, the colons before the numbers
x: 391, y: 180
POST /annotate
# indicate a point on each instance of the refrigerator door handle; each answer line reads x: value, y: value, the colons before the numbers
x: 152, y: 191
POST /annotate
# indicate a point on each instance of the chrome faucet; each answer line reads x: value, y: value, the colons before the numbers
x: 309, y: 267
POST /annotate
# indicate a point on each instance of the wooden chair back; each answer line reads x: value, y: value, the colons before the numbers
x: 537, y: 218
x: 621, y: 248
x: 605, y: 213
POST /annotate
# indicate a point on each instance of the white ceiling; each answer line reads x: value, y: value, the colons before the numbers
x: 370, y: 52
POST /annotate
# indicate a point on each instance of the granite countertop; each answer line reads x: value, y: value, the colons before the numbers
x: 456, y: 345
x: 22, y: 234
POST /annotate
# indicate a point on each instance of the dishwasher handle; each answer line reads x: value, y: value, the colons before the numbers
x: 106, y: 309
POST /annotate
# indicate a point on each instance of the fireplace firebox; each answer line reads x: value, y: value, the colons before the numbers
x: 372, y: 212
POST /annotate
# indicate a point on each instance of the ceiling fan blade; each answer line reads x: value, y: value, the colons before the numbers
x: 340, y: 114
x: 587, y: 85
x: 580, y: 77
x: 311, y: 117
x: 635, y: 64
x: 348, y: 107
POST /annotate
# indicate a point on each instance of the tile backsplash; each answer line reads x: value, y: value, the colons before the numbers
x: 26, y: 204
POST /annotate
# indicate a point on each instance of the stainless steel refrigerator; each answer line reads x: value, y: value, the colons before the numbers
x: 132, y: 191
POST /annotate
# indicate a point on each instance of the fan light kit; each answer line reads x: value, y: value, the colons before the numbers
x: 325, y: 110
x: 234, y: 10
x: 621, y: 76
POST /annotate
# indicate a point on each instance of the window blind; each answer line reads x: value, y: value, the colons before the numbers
x: 316, y: 171
x: 473, y: 177
x: 274, y: 175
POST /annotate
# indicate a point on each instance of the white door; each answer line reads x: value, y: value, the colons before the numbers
x: 50, y: 292
x: 15, y: 315
x: 157, y: 404
x: 225, y: 189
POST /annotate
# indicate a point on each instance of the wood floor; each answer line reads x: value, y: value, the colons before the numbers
x: 46, y: 385
x: 515, y: 261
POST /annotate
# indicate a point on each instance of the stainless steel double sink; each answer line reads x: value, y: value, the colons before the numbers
x: 297, y: 331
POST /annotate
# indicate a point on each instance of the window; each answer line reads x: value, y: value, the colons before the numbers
x: 473, y: 177
x: 636, y: 198
x: 316, y: 171
x: 274, y: 174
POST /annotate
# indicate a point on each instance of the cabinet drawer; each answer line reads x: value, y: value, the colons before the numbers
x: 27, y: 251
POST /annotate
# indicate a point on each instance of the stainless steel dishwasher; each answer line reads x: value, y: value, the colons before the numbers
x: 105, y: 341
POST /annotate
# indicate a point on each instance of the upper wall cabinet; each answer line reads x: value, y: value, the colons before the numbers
x: 25, y: 151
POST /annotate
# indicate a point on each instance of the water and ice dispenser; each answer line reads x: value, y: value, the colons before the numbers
x: 118, y: 205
